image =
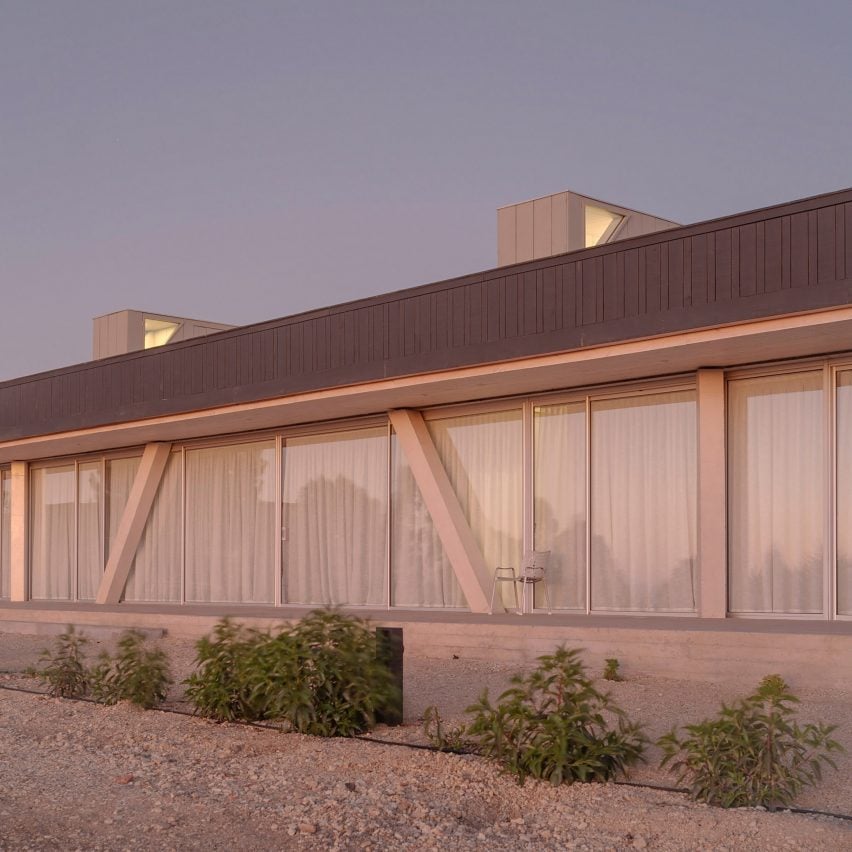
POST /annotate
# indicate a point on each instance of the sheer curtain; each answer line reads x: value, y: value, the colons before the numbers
x: 230, y: 523
x: 90, y: 532
x: 120, y: 474
x: 421, y: 575
x: 844, y: 493
x: 156, y: 571
x: 335, y: 511
x: 559, y: 440
x: 52, y: 539
x: 5, y: 531
x: 483, y: 457
x: 644, y: 486
x: 776, y: 485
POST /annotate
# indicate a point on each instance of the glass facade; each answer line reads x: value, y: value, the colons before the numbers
x: 776, y: 493
x: 607, y: 482
x: 5, y: 531
x: 843, y: 479
x: 335, y: 516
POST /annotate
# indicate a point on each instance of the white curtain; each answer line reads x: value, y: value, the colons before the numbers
x: 52, y: 539
x: 156, y: 571
x: 230, y: 523
x: 643, y: 501
x: 120, y: 474
x: 5, y: 531
x: 844, y: 493
x: 483, y: 457
x: 421, y: 575
x: 335, y: 516
x: 776, y: 486
x: 90, y: 533
x: 560, y: 499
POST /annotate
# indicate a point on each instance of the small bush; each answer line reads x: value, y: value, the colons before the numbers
x: 611, y: 669
x: 320, y: 676
x: 63, y: 669
x: 136, y: 673
x: 753, y: 753
x: 443, y: 738
x: 550, y: 724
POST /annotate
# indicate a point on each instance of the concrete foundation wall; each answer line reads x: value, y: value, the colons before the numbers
x: 806, y: 654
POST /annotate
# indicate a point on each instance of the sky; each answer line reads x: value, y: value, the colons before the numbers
x: 239, y: 161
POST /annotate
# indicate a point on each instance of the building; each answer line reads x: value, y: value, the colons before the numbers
x: 669, y: 413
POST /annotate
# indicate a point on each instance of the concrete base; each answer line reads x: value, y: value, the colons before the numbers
x: 806, y: 653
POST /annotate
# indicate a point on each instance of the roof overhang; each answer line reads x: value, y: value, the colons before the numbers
x: 813, y: 334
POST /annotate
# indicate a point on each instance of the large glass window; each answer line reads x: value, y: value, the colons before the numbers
x: 844, y: 492
x: 156, y: 571
x: 230, y: 523
x: 560, y: 499
x: 483, y: 457
x: 421, y: 574
x: 5, y: 531
x: 90, y: 532
x: 643, y: 502
x: 335, y: 518
x: 53, y: 540
x: 776, y: 487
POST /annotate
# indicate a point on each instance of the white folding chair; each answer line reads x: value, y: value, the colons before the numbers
x: 533, y: 570
x: 504, y: 575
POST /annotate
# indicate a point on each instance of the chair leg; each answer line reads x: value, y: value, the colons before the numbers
x: 517, y: 603
x: 493, y: 592
x: 547, y: 597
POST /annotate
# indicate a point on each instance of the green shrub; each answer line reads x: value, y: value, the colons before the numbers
x: 320, y: 676
x: 753, y: 753
x: 136, y: 673
x: 611, y: 669
x: 228, y: 667
x: 551, y: 724
x: 63, y: 670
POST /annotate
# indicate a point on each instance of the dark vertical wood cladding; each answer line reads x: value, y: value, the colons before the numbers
x: 795, y: 257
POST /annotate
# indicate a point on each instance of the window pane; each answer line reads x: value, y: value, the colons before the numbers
x: 420, y: 571
x: 644, y: 474
x: 776, y: 487
x: 560, y: 500
x: 90, y: 534
x: 230, y: 523
x: 52, y: 538
x: 600, y: 225
x: 482, y: 454
x: 335, y: 518
x: 5, y: 531
x: 155, y: 575
x: 844, y: 493
x: 120, y: 476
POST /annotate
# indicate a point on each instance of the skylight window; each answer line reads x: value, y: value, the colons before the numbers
x: 159, y: 332
x: 600, y: 225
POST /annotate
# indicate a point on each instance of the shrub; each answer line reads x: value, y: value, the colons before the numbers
x: 611, y: 669
x: 227, y: 670
x: 63, y: 668
x: 552, y: 724
x: 321, y: 676
x: 137, y: 673
x: 753, y: 753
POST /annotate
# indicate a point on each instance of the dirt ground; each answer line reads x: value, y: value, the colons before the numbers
x: 76, y: 775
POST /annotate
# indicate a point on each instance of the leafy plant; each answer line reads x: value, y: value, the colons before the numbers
x: 550, y: 724
x: 443, y: 738
x: 227, y: 670
x: 320, y: 676
x: 136, y: 673
x: 611, y: 669
x: 63, y: 668
x: 753, y: 753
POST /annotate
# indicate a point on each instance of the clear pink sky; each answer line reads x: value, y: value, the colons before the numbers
x: 238, y: 161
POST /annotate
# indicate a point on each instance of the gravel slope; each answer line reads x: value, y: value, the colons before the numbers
x: 81, y: 776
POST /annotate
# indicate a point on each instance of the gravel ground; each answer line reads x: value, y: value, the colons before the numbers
x: 76, y: 775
